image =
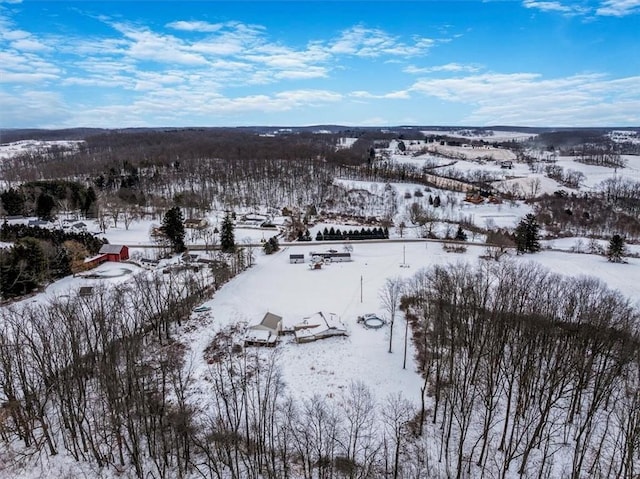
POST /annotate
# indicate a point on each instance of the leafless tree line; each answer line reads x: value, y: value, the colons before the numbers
x: 100, y: 376
x: 526, y: 372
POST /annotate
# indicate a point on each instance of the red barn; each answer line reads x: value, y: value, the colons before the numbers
x: 108, y: 252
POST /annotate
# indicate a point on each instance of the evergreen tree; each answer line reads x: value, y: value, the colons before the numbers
x: 227, y: 238
x: 271, y: 246
x: 88, y: 206
x: 12, y: 201
x: 23, y: 268
x: 173, y: 227
x: 44, y: 206
x: 616, y: 249
x: 436, y: 201
x: 460, y: 234
x: 527, y: 235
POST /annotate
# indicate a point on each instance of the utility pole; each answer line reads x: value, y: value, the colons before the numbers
x: 361, y: 288
x: 406, y: 333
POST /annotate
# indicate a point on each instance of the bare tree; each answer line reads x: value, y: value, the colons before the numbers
x: 390, y: 295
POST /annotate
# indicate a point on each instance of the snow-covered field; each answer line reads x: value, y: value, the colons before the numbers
x: 350, y: 289
x: 9, y: 150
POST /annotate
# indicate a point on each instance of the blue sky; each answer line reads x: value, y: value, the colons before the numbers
x: 364, y: 63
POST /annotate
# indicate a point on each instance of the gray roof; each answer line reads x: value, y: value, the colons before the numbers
x: 111, y: 249
x: 271, y: 321
x: 85, y: 290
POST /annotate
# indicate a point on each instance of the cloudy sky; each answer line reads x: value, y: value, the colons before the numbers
x: 209, y: 63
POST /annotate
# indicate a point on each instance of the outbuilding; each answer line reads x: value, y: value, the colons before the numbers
x: 296, y: 258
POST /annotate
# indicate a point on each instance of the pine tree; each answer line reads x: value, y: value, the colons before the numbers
x: 173, y: 227
x: 44, y: 206
x: 272, y: 245
x: 616, y: 249
x: 227, y: 238
x: 88, y: 205
x: 527, y: 235
x: 460, y: 234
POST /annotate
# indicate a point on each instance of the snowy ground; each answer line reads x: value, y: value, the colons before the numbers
x: 10, y: 150
x: 352, y: 289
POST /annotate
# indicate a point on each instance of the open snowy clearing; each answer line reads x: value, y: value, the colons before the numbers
x: 351, y: 289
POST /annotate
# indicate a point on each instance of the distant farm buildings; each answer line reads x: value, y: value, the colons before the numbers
x: 331, y: 256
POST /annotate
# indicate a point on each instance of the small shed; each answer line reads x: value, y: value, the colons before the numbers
x: 296, y: 258
x: 340, y: 257
x: 85, y: 291
x: 506, y: 164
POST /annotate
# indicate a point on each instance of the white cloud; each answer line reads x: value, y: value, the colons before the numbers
x: 14, y: 34
x: 547, y: 6
x: 553, y: 6
x: 17, y: 67
x: 367, y: 42
x: 30, y: 45
x: 449, y: 67
x: 619, y: 8
x: 527, y: 98
x: 394, y: 95
x: 149, y: 46
x: 195, y: 26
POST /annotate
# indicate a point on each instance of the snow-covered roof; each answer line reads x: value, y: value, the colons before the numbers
x: 111, y: 249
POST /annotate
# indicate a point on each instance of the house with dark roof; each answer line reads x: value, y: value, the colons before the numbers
x: 266, y: 332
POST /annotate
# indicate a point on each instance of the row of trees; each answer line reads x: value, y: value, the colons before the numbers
x: 336, y: 234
